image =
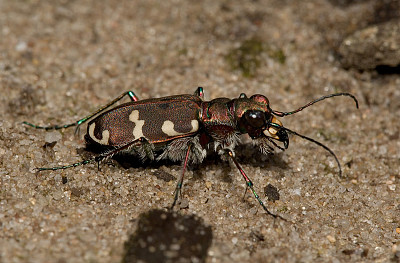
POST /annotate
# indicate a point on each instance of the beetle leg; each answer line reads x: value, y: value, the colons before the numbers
x: 131, y: 95
x: 249, y: 184
x: 98, y: 158
x: 176, y: 150
x: 180, y: 180
x: 145, y: 150
x: 199, y: 92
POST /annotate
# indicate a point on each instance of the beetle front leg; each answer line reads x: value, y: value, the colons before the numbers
x: 249, y: 184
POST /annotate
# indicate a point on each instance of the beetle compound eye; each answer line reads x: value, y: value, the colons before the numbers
x: 256, y: 119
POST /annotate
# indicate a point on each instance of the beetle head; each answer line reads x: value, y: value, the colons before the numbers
x: 255, y: 118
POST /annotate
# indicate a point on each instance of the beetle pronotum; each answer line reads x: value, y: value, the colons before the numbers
x: 183, y: 127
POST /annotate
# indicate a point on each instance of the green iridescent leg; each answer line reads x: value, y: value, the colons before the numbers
x: 131, y: 95
x: 249, y: 184
x: 199, y: 92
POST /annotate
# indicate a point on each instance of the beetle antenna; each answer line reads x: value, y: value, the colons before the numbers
x: 283, y: 114
x: 318, y: 143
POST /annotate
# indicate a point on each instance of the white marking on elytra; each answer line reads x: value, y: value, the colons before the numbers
x: 195, y: 126
x: 137, y: 130
x: 168, y: 128
x: 105, y: 135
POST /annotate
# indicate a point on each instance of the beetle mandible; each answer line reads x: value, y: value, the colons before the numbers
x: 183, y: 127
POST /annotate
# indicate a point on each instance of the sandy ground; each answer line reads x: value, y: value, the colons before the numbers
x: 61, y: 60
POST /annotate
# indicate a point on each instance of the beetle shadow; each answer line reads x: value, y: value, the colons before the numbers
x: 168, y: 236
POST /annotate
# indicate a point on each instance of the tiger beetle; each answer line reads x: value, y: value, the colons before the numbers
x: 183, y: 127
